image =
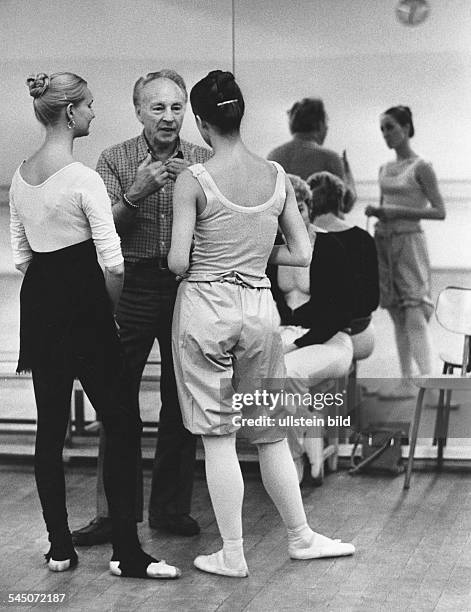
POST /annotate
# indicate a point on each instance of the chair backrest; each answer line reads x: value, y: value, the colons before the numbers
x: 453, y: 310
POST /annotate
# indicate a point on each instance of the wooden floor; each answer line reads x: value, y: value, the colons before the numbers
x: 413, y: 549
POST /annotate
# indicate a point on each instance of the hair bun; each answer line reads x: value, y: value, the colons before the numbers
x: 224, y: 78
x: 37, y: 83
x: 220, y: 82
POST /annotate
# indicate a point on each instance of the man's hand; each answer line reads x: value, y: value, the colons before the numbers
x: 150, y: 177
x: 174, y: 166
x: 376, y: 211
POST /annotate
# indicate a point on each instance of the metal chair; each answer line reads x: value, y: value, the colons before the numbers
x: 453, y: 312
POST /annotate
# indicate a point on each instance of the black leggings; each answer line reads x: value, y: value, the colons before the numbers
x: 108, y: 392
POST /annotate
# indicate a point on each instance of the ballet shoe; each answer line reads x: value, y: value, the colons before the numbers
x: 159, y: 569
x: 60, y: 566
x: 214, y: 564
x: 322, y: 549
x: 57, y: 564
x: 144, y: 567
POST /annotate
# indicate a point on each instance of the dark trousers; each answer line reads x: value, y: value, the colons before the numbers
x: 145, y: 314
x: 52, y: 388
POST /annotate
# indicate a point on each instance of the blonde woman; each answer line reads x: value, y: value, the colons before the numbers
x: 315, y: 306
x: 60, y: 219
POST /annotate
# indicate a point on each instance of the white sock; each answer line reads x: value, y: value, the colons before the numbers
x: 233, y: 551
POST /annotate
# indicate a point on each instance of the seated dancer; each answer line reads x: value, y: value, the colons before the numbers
x: 61, y: 213
x: 329, y: 205
x: 224, y: 328
x: 315, y: 306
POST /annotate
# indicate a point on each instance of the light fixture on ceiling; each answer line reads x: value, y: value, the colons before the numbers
x: 412, y: 12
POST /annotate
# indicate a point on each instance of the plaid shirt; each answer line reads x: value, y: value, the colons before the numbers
x: 151, y: 232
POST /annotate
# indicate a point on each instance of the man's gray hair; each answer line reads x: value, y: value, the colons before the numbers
x: 165, y: 73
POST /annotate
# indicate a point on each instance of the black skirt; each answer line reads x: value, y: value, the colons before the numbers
x: 65, y: 311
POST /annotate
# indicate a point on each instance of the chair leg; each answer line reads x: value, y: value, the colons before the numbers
x: 446, y: 418
x: 445, y: 409
x: 441, y: 439
x: 443, y: 413
x: 438, y: 433
x: 352, y: 392
x: 413, y: 438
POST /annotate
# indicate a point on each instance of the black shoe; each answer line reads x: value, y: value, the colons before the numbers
x: 179, y: 524
x: 98, y: 531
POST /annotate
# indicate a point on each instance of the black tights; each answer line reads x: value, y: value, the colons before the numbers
x: 107, y: 391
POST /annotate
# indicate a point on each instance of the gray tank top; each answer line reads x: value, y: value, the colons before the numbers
x: 400, y: 187
x: 233, y: 242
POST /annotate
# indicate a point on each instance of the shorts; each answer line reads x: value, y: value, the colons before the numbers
x: 225, y: 340
x: 404, y: 270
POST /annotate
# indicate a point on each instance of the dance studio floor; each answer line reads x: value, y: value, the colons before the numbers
x: 413, y: 550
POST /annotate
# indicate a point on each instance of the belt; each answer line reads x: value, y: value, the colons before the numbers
x: 156, y: 263
x: 233, y: 278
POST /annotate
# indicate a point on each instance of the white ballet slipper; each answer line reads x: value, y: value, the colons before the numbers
x: 163, y: 570
x: 59, y: 566
x: 160, y: 569
x: 323, y: 549
x: 214, y: 564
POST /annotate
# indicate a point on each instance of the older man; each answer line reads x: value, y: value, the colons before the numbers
x: 140, y: 174
x: 305, y: 154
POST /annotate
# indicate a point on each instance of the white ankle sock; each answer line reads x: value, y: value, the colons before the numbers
x: 233, y: 552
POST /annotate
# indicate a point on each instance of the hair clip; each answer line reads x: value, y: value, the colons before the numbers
x: 227, y: 102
